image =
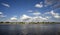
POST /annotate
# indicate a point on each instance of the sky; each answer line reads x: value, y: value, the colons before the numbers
x: 30, y: 10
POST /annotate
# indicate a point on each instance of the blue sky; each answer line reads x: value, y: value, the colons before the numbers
x: 24, y: 9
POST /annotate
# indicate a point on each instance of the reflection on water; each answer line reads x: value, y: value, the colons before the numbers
x: 29, y: 29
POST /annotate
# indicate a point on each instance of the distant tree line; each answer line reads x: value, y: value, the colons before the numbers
x: 29, y: 22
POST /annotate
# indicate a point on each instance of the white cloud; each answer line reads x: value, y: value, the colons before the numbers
x: 48, y: 17
x: 39, y: 19
x: 51, y: 12
x: 13, y: 18
x: 44, y: 18
x: 25, y: 18
x: 30, y: 11
x: 55, y: 15
x: 4, y: 4
x: 39, y: 5
x: 36, y: 13
x: 2, y: 15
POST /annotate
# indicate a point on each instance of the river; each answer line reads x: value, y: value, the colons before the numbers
x: 29, y: 29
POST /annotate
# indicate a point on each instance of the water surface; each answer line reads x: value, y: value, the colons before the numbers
x: 29, y: 29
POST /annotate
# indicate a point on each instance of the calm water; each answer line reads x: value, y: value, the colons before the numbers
x: 30, y: 29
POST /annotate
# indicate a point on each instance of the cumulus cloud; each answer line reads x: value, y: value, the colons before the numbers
x: 40, y: 18
x: 48, y: 17
x: 2, y: 15
x: 30, y: 10
x: 51, y: 12
x: 55, y: 15
x: 36, y: 13
x: 25, y: 18
x: 13, y: 19
x: 39, y: 5
x: 5, y: 4
x: 45, y: 18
